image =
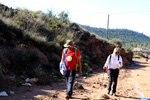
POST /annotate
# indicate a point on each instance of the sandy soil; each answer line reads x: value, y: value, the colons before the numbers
x: 133, y: 84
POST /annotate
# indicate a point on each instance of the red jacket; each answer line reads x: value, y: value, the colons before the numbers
x: 70, y: 58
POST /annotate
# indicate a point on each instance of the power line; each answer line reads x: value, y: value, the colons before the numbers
x: 87, y: 12
x: 131, y: 12
x: 110, y: 13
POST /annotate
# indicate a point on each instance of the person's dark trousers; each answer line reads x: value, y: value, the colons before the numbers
x: 147, y: 59
x: 113, y: 76
x: 70, y: 76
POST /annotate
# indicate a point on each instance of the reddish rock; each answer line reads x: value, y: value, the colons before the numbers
x: 43, y: 57
x: 95, y: 51
x: 6, y: 63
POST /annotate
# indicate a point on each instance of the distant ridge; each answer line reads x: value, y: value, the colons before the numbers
x: 125, y: 35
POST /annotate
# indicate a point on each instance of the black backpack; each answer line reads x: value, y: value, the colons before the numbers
x: 109, y: 61
x: 110, y: 57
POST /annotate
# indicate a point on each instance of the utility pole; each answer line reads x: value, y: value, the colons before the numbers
x: 107, y: 26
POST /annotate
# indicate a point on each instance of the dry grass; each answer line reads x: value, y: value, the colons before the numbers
x: 37, y: 37
x: 9, y: 21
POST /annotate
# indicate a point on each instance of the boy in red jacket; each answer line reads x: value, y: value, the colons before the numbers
x: 72, y: 58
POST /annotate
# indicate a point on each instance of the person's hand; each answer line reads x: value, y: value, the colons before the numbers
x: 104, y: 67
x: 119, y: 62
x: 80, y: 73
x: 63, y: 69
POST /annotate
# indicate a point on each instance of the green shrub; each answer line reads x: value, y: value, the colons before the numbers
x: 23, y: 61
x: 141, y: 54
x: 64, y: 17
x: 21, y: 21
x: 5, y: 13
x: 128, y: 49
x: 136, y: 56
x: 39, y: 12
x: 34, y: 15
x: 20, y: 82
x: 42, y: 75
x: 116, y: 42
x: 22, y: 18
x: 37, y: 38
x: 86, y: 69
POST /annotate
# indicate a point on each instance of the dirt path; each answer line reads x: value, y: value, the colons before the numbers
x: 133, y: 84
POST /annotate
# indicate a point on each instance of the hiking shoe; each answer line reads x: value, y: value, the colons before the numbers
x: 108, y: 91
x: 114, y: 94
x: 67, y: 97
x: 70, y: 96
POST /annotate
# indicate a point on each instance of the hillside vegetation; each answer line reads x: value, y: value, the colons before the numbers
x: 128, y: 37
x: 31, y: 44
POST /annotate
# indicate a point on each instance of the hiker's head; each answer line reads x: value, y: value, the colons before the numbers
x: 69, y: 43
x: 116, y: 51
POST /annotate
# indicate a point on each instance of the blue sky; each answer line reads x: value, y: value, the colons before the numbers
x: 124, y: 14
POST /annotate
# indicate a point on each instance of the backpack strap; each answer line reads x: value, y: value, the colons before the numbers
x: 65, y: 50
x: 109, y: 58
x: 118, y: 57
x: 75, y: 52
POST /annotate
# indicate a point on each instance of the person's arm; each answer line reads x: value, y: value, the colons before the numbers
x: 62, y: 56
x: 107, y: 62
x: 80, y: 66
x: 79, y: 62
x: 120, y: 62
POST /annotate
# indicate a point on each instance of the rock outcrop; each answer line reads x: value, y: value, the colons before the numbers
x: 6, y: 11
x: 95, y: 51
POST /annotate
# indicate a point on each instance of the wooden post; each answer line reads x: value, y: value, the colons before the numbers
x: 107, y: 26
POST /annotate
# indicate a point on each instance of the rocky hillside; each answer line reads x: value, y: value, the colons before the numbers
x: 95, y: 51
x: 31, y: 45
